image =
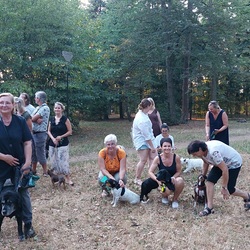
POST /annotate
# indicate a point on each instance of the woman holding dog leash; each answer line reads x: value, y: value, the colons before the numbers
x: 112, y: 163
x: 172, y: 163
x: 58, y: 130
x: 216, y: 123
x: 15, y: 151
x: 226, y: 163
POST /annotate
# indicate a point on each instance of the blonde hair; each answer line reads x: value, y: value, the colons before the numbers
x: 110, y: 137
x: 152, y: 102
x: 20, y: 104
x: 11, y: 98
x: 60, y: 104
x: 215, y: 104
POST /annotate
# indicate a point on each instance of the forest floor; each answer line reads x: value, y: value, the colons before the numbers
x: 78, y: 218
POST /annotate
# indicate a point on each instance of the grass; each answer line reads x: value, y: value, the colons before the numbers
x: 79, y: 219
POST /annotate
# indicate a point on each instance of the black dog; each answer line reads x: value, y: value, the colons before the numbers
x: 200, y: 193
x: 163, y: 176
x: 11, y: 206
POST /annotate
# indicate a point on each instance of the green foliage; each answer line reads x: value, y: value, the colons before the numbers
x: 126, y: 50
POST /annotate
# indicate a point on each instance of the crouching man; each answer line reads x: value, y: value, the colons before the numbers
x: 227, y: 164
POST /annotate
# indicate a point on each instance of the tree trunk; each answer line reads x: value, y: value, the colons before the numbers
x: 185, y: 83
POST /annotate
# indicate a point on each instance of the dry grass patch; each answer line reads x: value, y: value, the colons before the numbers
x: 79, y: 219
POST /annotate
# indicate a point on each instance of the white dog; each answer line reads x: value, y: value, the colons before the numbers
x: 191, y: 164
x: 123, y: 194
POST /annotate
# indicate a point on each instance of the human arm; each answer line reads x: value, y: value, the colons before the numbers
x: 207, y: 126
x: 36, y: 118
x: 27, y: 154
x: 9, y: 159
x: 205, y: 168
x: 159, y: 118
x: 151, y: 145
x: 152, y: 169
x: 29, y: 123
x: 178, y: 168
x: 225, y: 178
x: 122, y: 171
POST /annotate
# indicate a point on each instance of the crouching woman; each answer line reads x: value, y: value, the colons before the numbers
x: 171, y: 162
x: 112, y: 163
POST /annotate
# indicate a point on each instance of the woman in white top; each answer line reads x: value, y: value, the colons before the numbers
x: 164, y: 134
x: 143, y: 138
x: 226, y: 163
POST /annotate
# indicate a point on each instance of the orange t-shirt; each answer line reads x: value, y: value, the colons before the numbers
x: 113, y: 166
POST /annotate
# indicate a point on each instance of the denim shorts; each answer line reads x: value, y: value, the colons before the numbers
x: 143, y: 147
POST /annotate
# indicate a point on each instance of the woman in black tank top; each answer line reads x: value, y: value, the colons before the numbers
x: 172, y: 163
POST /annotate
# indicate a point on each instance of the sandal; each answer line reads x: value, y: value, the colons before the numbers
x: 206, y: 211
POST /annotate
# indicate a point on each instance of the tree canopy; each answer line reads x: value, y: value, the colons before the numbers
x: 181, y: 53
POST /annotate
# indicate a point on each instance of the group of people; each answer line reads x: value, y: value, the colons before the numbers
x: 24, y: 131
x: 158, y: 150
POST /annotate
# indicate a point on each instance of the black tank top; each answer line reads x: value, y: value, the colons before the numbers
x: 171, y: 169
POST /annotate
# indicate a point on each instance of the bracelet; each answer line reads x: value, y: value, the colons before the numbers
x: 224, y: 188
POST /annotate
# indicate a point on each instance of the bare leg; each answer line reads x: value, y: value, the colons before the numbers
x: 45, y: 170
x: 151, y: 157
x: 241, y: 194
x: 34, y: 165
x: 210, y: 194
x: 143, y: 155
x: 179, y: 185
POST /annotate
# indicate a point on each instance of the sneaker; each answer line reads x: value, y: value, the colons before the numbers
x: 138, y: 182
x: 45, y: 175
x: 164, y: 200
x: 175, y: 204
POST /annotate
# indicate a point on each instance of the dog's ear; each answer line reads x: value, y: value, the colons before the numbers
x: 204, y: 176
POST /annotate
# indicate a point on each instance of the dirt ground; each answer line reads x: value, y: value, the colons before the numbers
x: 78, y: 218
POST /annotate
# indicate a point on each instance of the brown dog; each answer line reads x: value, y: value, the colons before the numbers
x: 200, y: 193
x: 56, y: 179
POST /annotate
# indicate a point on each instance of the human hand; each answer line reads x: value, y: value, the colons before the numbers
x: 25, y: 169
x: 39, y: 120
x: 10, y: 160
x: 55, y: 141
x: 121, y: 183
x: 216, y: 131
x: 153, y: 150
x: 58, y: 138
x: 173, y: 179
x: 225, y: 193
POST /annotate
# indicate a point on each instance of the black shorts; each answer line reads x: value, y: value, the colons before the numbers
x: 216, y: 173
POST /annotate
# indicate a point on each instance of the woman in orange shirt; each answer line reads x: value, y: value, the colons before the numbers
x: 112, y: 162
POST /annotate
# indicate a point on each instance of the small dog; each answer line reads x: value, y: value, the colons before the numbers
x: 200, y: 194
x: 191, y: 164
x: 57, y: 179
x: 149, y: 184
x: 11, y: 206
x: 123, y: 194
